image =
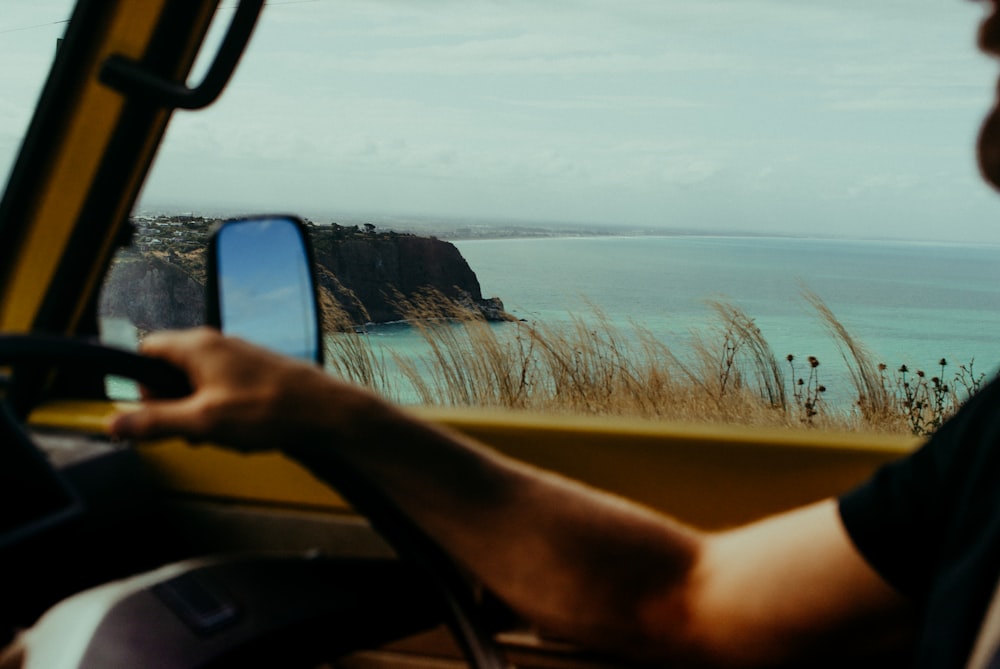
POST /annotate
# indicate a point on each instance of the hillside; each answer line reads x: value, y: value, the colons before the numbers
x: 158, y: 282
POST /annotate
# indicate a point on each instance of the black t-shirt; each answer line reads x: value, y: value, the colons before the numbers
x: 930, y: 525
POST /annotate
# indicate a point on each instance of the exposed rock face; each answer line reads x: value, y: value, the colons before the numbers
x: 365, y: 272
x: 373, y: 271
x: 153, y: 293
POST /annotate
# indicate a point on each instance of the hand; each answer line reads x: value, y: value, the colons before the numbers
x: 243, y: 396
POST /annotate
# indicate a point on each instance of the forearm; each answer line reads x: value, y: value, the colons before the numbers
x: 591, y: 567
x: 579, y: 563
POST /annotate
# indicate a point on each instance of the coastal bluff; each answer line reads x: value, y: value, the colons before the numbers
x: 364, y: 273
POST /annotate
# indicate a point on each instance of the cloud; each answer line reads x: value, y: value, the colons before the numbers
x: 604, y: 103
x: 905, y: 99
x: 594, y: 108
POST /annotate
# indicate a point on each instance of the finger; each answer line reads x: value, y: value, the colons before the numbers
x: 181, y: 349
x: 178, y: 346
x: 156, y: 420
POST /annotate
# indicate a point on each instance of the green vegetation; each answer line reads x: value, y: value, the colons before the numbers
x: 589, y: 365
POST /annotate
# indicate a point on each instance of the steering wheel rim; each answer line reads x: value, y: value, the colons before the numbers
x: 85, y: 354
x: 405, y: 537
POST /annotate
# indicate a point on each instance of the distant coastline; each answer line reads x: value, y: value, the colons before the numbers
x: 453, y: 229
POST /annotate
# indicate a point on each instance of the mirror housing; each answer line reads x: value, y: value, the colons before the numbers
x: 261, y: 287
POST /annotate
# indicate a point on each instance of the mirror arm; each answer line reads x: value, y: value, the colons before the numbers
x: 129, y: 77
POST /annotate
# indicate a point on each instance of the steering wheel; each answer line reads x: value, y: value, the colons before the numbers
x: 464, y: 617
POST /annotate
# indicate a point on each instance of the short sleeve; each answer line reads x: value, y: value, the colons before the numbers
x: 902, y: 520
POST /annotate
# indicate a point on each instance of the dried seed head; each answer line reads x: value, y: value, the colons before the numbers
x: 790, y: 357
x: 903, y: 369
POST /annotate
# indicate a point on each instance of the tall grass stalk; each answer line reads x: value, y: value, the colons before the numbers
x: 348, y: 350
x: 470, y: 361
x: 729, y: 372
x: 874, y: 400
x: 738, y: 357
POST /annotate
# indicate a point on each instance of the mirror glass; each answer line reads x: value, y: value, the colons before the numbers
x: 264, y: 285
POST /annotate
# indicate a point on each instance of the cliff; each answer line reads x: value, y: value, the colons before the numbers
x: 153, y: 293
x: 367, y: 271
x: 159, y: 282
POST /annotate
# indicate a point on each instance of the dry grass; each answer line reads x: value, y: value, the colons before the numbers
x: 874, y: 399
x: 728, y: 373
x: 349, y: 352
x: 470, y: 363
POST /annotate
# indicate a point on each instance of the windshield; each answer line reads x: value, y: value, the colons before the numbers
x: 767, y: 202
x: 29, y: 36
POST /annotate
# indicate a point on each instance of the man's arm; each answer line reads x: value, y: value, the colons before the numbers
x: 794, y: 587
x: 579, y: 563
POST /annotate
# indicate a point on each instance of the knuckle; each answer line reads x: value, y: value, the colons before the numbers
x: 204, y: 419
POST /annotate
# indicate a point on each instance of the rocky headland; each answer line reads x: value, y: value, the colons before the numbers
x: 364, y: 273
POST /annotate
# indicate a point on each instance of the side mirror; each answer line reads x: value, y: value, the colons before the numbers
x: 261, y: 288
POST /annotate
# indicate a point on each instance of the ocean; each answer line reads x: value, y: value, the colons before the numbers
x: 908, y: 302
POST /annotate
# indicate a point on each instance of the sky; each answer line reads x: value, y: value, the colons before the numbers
x: 856, y: 118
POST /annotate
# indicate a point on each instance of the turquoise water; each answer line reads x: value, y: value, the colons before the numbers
x: 909, y: 303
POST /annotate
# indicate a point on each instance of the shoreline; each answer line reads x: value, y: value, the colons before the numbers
x: 452, y: 230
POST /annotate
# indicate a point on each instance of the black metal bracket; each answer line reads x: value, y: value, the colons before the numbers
x: 131, y: 78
